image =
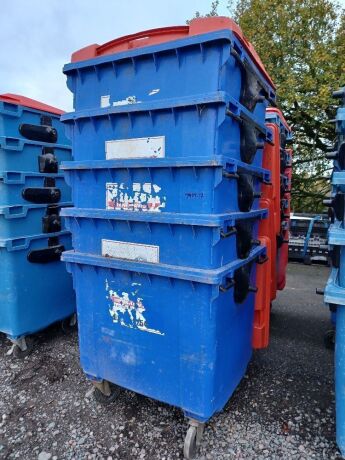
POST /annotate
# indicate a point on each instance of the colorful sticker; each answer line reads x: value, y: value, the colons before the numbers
x: 137, y: 197
x: 128, y: 310
x: 140, y: 147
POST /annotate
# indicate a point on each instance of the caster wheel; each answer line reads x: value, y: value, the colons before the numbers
x: 107, y: 399
x: 21, y: 354
x: 190, y: 444
x: 329, y: 339
x: 68, y: 324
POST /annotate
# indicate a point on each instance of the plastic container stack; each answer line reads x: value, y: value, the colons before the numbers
x: 276, y: 198
x: 335, y: 288
x: 168, y: 135
x: 36, y: 290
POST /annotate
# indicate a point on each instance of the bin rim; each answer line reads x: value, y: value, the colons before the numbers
x: 212, y: 277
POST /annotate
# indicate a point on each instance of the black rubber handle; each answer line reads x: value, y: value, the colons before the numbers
x: 46, y: 255
x: 252, y: 90
x: 39, y: 133
x: 41, y: 195
x: 48, y: 163
x: 51, y: 223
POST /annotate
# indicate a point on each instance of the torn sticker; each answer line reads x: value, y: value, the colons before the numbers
x: 127, y: 101
x: 129, y: 311
x: 120, y: 197
x: 105, y: 101
x: 154, y: 91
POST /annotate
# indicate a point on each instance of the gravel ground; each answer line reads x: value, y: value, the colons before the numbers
x: 283, y: 409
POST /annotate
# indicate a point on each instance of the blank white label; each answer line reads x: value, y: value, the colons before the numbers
x: 141, y: 147
x: 130, y: 251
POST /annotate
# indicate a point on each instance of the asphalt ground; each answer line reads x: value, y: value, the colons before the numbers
x: 283, y: 408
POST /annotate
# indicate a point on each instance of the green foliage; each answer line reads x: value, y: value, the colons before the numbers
x: 302, y: 45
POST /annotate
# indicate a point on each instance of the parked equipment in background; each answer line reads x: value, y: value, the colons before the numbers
x: 36, y: 290
x: 308, y: 242
x: 334, y: 293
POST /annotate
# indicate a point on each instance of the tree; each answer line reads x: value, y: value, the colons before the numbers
x: 302, y: 45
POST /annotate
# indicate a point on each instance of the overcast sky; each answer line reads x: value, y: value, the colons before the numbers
x: 38, y: 36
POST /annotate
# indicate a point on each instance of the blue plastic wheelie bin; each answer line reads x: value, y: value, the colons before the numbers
x: 35, y: 288
x: 167, y: 131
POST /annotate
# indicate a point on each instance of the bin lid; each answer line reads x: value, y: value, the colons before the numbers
x: 151, y: 37
x: 28, y: 102
x: 280, y: 115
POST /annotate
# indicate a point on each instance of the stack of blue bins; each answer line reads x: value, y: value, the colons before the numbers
x: 35, y: 289
x: 335, y: 287
x: 167, y: 136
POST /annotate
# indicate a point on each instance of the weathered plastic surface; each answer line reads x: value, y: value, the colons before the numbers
x: 271, y: 161
x: 29, y: 219
x: 19, y: 154
x: 194, y: 240
x: 17, y: 99
x: 13, y: 184
x: 205, y: 125
x: 262, y: 310
x: 162, y: 64
x: 267, y: 229
x: 138, y: 321
x: 33, y: 295
x: 183, y: 185
x: 16, y: 112
x: 282, y: 261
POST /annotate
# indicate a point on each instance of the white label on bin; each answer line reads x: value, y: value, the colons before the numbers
x: 141, y: 147
x: 136, y: 197
x: 130, y: 251
x: 128, y: 309
x: 105, y: 101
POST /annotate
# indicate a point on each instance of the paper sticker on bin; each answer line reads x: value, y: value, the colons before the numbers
x: 35, y: 288
x: 194, y: 240
x: 27, y: 119
x: 32, y: 219
x: 17, y: 188
x: 140, y: 320
x: 28, y: 155
x: 162, y: 64
x: 182, y: 185
x: 206, y: 125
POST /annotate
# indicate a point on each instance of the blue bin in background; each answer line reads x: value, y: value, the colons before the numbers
x: 139, y: 69
x: 19, y: 188
x: 177, y: 334
x: 35, y: 288
x: 32, y: 219
x: 24, y: 118
x: 205, y: 126
x: 31, y: 156
x: 194, y: 240
x: 340, y: 123
x: 160, y: 185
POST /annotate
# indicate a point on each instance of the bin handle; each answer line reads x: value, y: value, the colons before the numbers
x: 130, y: 40
x: 232, y: 231
x: 46, y: 255
x: 228, y: 175
x: 230, y: 284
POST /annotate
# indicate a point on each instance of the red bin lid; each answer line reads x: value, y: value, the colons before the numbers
x: 31, y: 103
x: 150, y: 37
x: 280, y: 115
